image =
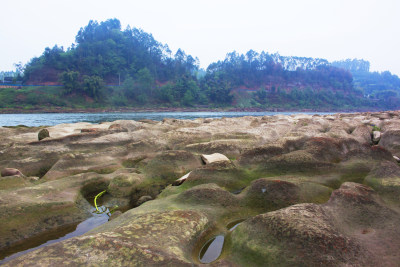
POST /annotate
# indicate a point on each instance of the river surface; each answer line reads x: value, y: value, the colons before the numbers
x: 50, y: 119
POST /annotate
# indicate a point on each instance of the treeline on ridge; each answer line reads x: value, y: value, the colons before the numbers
x: 129, y: 67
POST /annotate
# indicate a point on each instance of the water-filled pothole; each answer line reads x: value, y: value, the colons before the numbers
x: 62, y: 233
x: 231, y: 226
x: 53, y: 236
x: 237, y: 191
x: 212, y: 249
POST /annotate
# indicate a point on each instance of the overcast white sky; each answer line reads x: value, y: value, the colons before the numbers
x: 208, y: 29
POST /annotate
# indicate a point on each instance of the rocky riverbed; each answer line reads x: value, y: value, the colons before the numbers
x: 299, y: 190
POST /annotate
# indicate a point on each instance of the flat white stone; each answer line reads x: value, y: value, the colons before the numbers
x: 181, y: 180
x: 216, y: 157
x: 376, y: 136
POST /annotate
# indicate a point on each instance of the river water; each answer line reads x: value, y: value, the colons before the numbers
x: 50, y: 119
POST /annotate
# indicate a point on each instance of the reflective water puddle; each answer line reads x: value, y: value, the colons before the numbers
x: 212, y: 249
x: 59, y: 234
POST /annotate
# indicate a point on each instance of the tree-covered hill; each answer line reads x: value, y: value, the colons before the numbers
x: 104, y: 54
x: 254, y: 70
x: 112, y: 67
x: 270, y: 80
x: 381, y: 87
x: 104, y: 50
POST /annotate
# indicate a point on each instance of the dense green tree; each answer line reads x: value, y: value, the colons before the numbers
x: 128, y: 87
x: 145, y: 82
x: 166, y: 93
x: 93, y: 86
x: 218, y: 88
x: 70, y: 81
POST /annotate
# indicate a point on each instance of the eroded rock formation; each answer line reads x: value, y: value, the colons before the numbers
x: 308, y: 190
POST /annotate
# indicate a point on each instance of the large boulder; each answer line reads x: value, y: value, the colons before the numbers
x: 391, y: 141
x: 44, y: 133
x: 350, y: 230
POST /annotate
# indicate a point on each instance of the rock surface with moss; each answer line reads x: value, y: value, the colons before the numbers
x: 308, y: 190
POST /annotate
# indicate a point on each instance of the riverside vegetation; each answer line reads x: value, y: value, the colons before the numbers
x: 299, y: 190
x: 108, y: 67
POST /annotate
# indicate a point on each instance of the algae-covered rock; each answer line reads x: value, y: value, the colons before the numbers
x: 295, y: 181
x: 300, y: 235
x: 149, y: 239
x: 208, y: 194
x: 260, y: 154
x: 385, y: 179
x: 15, y: 181
x: 44, y: 133
x: 338, y: 233
x: 143, y: 199
x: 223, y: 173
x: 123, y: 184
x: 271, y: 194
x: 48, y: 205
x: 171, y: 164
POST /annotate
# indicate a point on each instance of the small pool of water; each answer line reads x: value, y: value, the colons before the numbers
x: 53, y: 236
x: 231, y: 226
x: 237, y: 191
x: 212, y: 249
x: 66, y: 232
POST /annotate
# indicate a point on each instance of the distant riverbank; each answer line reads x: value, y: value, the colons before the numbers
x: 172, y: 109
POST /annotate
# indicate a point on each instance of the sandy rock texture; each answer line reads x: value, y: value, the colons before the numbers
x: 307, y: 190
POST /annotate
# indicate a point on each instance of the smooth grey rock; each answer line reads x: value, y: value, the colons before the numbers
x: 10, y: 172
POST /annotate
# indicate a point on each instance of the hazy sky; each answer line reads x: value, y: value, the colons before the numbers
x: 208, y: 29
